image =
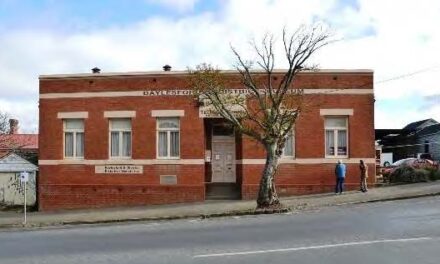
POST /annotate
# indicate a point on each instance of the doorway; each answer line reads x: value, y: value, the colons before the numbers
x: 222, y: 184
x: 223, y: 154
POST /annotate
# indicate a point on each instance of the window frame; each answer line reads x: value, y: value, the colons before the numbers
x: 120, y: 143
x: 336, y: 130
x: 75, y: 131
x: 293, y: 156
x: 168, y: 131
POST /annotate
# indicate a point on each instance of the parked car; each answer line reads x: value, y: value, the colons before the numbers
x: 410, y: 162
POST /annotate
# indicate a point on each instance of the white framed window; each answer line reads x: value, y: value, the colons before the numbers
x: 120, y: 138
x: 168, y: 138
x: 336, y: 137
x: 289, y: 147
x: 74, y: 138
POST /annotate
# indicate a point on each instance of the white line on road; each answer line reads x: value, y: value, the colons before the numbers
x: 313, y: 247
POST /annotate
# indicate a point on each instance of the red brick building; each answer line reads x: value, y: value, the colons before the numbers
x: 116, y: 139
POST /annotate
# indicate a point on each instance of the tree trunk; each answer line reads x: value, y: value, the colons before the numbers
x: 267, y: 195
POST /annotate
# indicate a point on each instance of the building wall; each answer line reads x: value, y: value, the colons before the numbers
x: 434, y: 145
x: 78, y: 186
x: 299, y: 179
x: 67, y: 184
x: 318, y: 174
x: 12, y: 190
x: 410, y: 146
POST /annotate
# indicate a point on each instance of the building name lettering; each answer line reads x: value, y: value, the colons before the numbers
x: 177, y: 92
x: 119, y: 169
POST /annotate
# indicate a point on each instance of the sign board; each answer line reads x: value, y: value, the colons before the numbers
x: 207, y: 110
x: 172, y: 92
x: 119, y: 169
x: 168, y: 179
x: 181, y: 92
x: 24, y: 177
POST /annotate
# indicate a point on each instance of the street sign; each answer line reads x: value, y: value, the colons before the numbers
x: 24, y: 177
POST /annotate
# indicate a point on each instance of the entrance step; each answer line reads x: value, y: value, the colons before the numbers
x: 222, y: 191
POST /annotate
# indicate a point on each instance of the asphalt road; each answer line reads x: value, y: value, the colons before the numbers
x: 391, y: 232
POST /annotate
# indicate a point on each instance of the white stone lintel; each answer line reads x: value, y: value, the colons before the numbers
x: 119, y: 114
x: 336, y: 112
x: 72, y: 115
x: 167, y: 113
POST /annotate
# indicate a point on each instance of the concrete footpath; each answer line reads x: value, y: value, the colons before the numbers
x: 212, y: 208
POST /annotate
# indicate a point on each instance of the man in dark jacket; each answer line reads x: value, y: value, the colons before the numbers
x: 340, y: 177
x: 364, y: 175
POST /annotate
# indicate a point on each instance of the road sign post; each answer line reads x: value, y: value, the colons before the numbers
x: 24, y: 178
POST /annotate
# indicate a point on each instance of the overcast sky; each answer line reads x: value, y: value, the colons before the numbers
x: 399, y: 40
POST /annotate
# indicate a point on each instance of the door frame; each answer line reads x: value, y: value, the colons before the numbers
x: 223, y: 139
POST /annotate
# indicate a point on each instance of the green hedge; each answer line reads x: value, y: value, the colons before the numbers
x: 434, y: 174
x: 407, y: 174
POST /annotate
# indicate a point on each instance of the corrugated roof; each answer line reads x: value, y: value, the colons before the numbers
x: 432, y: 129
x: 22, y: 141
x: 3, y: 153
x: 414, y: 125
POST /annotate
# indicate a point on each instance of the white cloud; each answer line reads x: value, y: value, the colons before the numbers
x: 405, y: 41
x: 404, y: 116
x: 26, y: 111
x: 399, y: 40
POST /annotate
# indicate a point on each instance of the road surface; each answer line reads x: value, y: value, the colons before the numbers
x: 401, y: 232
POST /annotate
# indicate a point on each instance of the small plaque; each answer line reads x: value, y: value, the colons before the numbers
x: 119, y: 169
x: 168, y: 179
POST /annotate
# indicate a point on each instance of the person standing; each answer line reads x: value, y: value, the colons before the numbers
x: 364, y: 175
x: 340, y: 177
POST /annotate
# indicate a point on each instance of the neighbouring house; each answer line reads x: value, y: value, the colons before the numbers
x: 137, y: 138
x: 417, y: 139
x: 18, y: 153
x: 383, y: 158
x: 11, y: 188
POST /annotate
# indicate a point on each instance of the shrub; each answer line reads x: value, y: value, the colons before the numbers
x: 401, y: 174
x: 434, y: 174
x: 421, y: 175
x: 407, y: 174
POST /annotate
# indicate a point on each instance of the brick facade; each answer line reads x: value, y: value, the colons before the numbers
x: 66, y: 183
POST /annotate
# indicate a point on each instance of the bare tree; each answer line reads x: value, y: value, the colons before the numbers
x: 4, y: 123
x: 270, y: 105
x: 7, y: 141
x: 4, y: 131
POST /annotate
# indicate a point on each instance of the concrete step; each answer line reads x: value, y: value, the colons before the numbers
x: 222, y: 191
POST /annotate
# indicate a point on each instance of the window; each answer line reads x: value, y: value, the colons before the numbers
x: 168, y: 137
x: 426, y: 146
x: 74, y: 138
x: 336, y: 137
x: 120, y: 138
x: 289, y: 147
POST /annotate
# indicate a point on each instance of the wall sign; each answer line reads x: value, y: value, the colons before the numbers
x: 204, y: 111
x: 119, y: 169
x: 168, y: 179
x: 181, y: 92
x: 173, y: 92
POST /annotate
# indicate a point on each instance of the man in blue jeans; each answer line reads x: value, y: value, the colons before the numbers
x: 340, y: 177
